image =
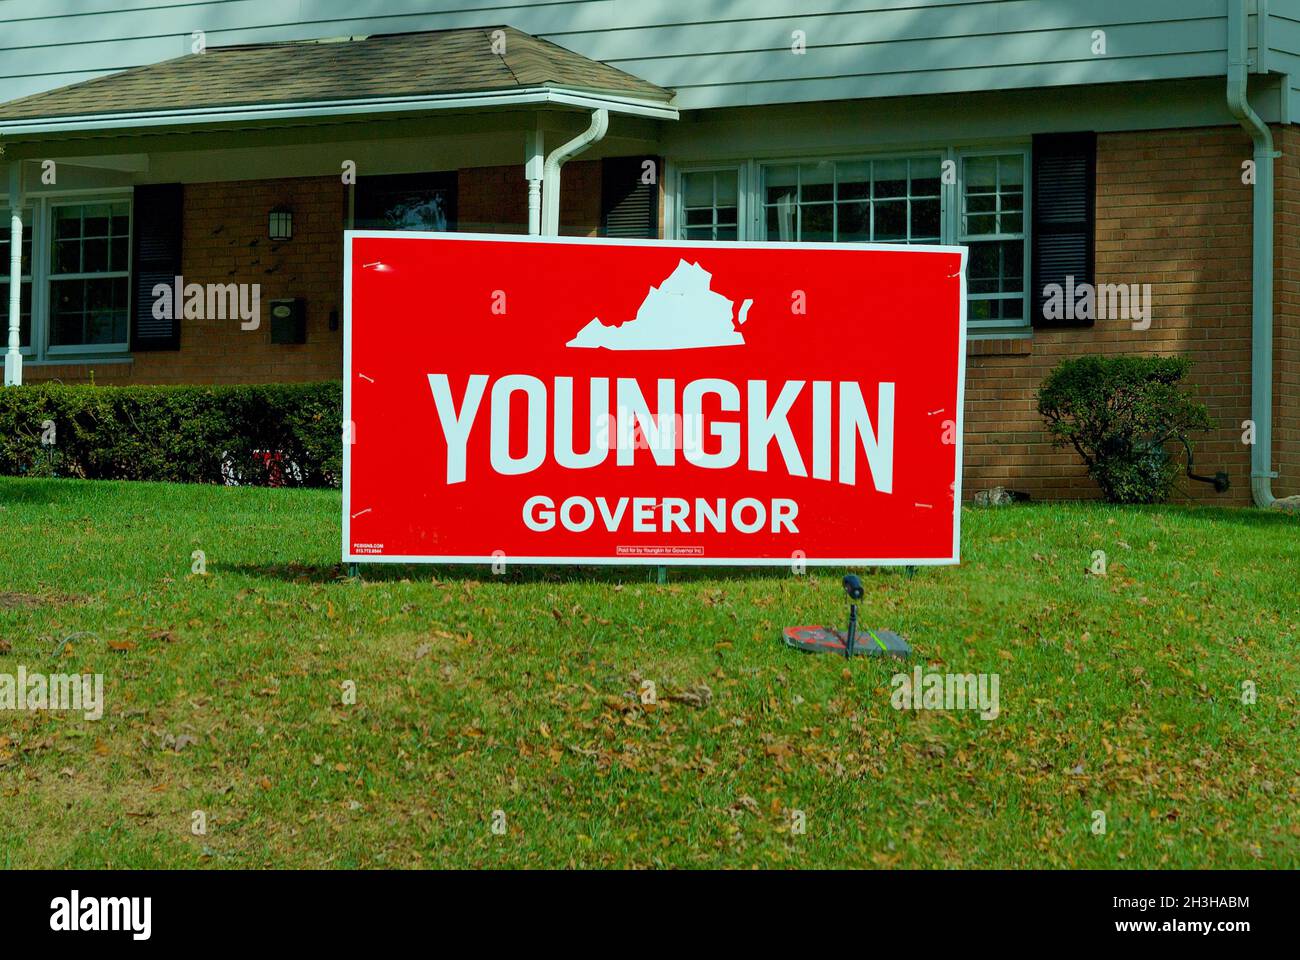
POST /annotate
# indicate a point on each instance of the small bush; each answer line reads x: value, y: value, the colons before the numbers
x: 1122, y: 414
x: 272, y: 435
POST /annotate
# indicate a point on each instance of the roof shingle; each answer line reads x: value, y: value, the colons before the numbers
x: 391, y: 65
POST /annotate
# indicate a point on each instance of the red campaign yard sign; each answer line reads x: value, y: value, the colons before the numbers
x: 561, y: 400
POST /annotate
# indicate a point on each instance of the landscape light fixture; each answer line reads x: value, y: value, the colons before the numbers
x: 883, y: 643
x: 280, y: 224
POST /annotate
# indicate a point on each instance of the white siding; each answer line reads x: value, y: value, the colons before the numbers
x: 714, y: 52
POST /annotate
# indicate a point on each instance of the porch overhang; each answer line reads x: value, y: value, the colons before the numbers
x: 477, y: 69
x: 318, y: 110
x: 400, y: 103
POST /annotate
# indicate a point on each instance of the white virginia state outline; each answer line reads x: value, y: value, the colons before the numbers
x: 682, y: 313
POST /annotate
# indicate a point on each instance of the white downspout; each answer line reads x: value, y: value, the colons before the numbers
x: 13, y: 356
x: 551, y: 171
x: 1261, y: 341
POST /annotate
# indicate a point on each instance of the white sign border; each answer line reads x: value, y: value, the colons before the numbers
x: 347, y: 426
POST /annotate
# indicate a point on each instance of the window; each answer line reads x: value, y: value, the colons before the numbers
x: 90, y: 275
x: 888, y: 200
x: 975, y: 198
x: 993, y: 226
x: 25, y: 311
x: 417, y: 201
x: 710, y: 204
x: 76, y: 277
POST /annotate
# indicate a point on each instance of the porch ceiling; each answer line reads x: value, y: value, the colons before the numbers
x: 446, y: 69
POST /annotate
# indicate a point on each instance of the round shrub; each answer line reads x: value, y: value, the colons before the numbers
x: 1123, y: 414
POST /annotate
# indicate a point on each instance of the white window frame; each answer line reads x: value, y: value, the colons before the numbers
x: 742, y: 197
x: 86, y: 349
x: 41, y: 228
x: 1025, y: 324
x: 920, y: 154
x: 753, y: 222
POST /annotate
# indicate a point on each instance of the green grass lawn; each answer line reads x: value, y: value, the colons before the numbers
x: 518, y: 693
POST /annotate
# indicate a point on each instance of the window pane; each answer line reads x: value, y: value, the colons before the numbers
x: 106, y: 310
x: 925, y: 177
x: 981, y: 174
x: 890, y: 178
x: 710, y: 200
x: 816, y: 182
x: 88, y: 311
x: 854, y: 222
x: 993, y: 203
x: 67, y: 312
x: 891, y: 221
x: 67, y: 256
x: 67, y: 222
x: 727, y: 186
x: 925, y: 220
x: 94, y: 256
x: 95, y: 220
x: 697, y: 189
x: 853, y: 180
x: 781, y: 222
x: 781, y: 184
x: 90, y: 238
x: 996, y: 267
x: 417, y: 201
x: 817, y: 223
x: 119, y: 257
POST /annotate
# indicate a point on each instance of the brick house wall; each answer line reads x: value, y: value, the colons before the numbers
x: 225, y: 241
x: 1171, y: 211
x: 495, y: 199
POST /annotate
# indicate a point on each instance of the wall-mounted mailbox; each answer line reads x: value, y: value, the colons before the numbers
x: 289, y: 321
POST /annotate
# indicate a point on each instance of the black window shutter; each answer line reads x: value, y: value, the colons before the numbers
x: 629, y: 207
x: 159, y: 213
x: 1064, y: 221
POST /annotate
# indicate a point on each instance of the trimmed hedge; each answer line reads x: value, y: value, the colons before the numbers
x: 268, y: 435
x: 1121, y: 414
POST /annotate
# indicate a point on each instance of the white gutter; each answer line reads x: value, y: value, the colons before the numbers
x: 551, y: 171
x: 1261, y: 285
x: 525, y: 97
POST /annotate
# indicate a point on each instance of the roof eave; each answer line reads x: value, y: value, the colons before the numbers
x: 523, y: 96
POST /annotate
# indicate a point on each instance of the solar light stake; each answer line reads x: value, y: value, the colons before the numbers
x: 885, y: 643
x: 853, y: 587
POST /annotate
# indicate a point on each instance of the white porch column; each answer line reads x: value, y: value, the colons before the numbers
x: 533, y: 162
x: 13, y: 358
